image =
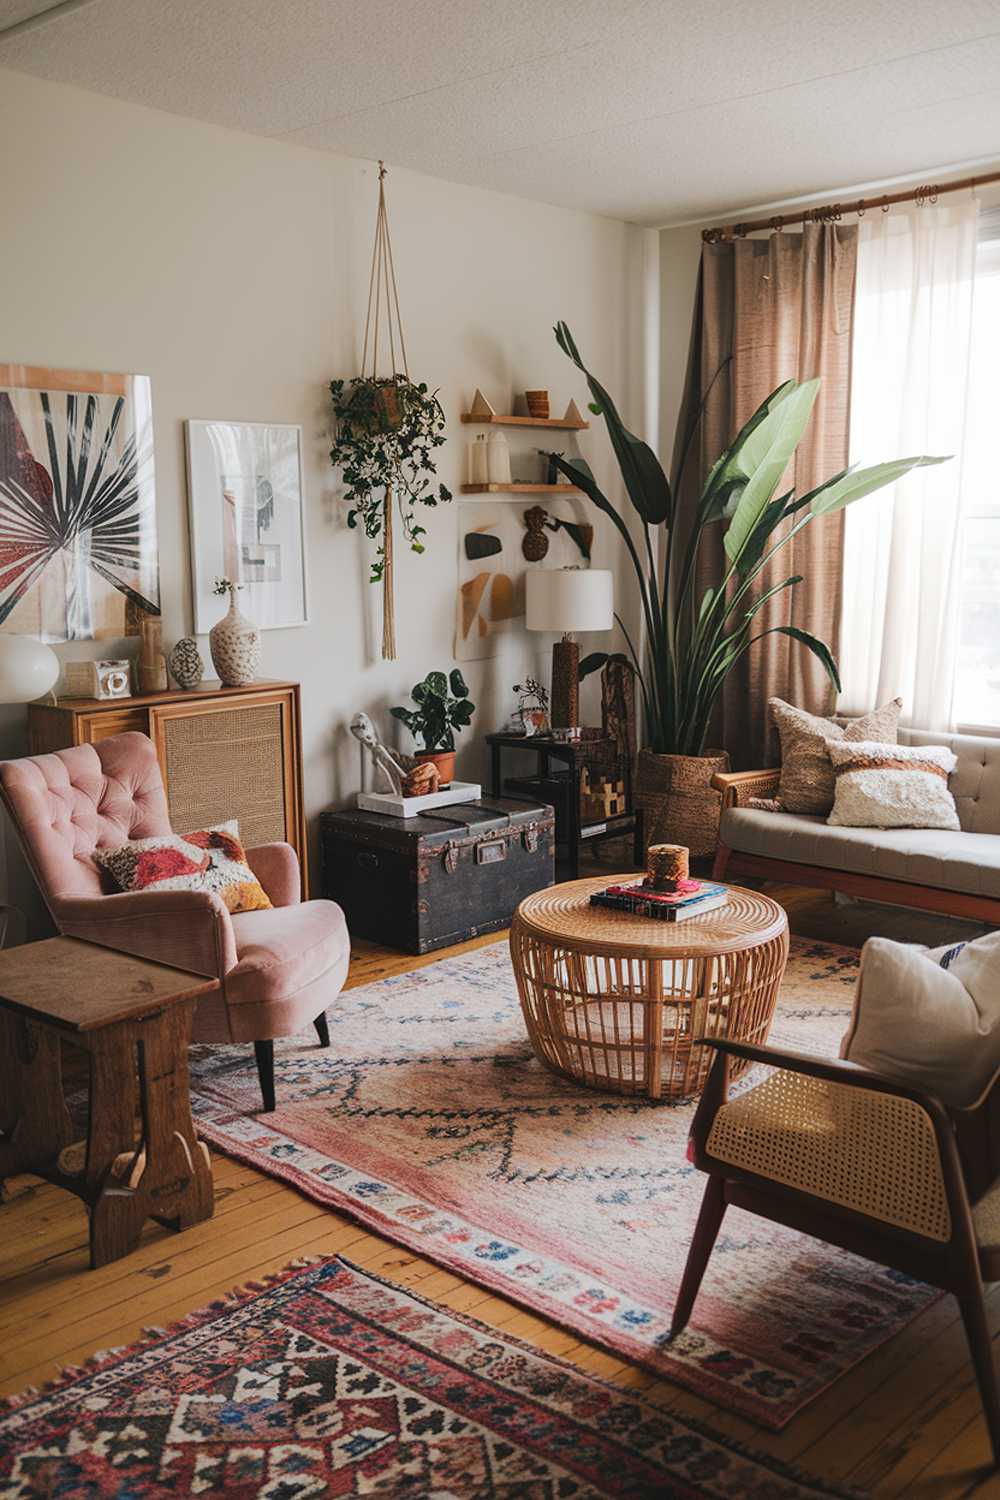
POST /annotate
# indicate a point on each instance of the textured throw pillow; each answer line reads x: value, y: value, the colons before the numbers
x: 210, y: 859
x: 929, y: 1017
x: 892, y: 786
x: 806, y: 784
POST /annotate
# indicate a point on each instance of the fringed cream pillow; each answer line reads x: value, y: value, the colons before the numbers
x: 892, y: 786
x: 806, y: 784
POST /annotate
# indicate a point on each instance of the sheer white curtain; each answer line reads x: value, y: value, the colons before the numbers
x: 909, y: 394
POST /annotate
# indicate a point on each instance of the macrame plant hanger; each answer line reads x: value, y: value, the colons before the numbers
x: 383, y: 322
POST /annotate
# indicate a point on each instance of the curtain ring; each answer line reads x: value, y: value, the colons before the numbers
x: 777, y: 223
x: 885, y: 205
x: 741, y: 230
x: 861, y: 208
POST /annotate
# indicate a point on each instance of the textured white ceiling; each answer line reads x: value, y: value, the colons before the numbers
x: 651, y: 110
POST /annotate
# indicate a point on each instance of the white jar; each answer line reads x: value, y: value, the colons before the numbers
x: 498, y: 459
x: 479, y: 470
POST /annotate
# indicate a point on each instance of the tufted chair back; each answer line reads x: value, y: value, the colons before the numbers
x: 67, y: 804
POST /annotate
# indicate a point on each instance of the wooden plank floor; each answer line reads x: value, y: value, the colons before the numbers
x: 905, y: 1422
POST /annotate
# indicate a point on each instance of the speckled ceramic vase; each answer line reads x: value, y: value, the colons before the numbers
x: 235, y: 645
x: 185, y: 663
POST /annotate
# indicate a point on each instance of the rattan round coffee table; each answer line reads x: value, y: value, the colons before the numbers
x: 617, y: 1001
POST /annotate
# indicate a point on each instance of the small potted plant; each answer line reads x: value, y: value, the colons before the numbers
x: 436, y: 717
x: 532, y: 706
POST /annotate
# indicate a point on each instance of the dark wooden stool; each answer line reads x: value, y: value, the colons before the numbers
x: 141, y: 1158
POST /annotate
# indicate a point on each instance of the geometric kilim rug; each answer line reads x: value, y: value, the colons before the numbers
x: 430, y: 1121
x: 327, y: 1381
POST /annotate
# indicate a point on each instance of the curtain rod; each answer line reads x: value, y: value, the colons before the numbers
x: 832, y: 213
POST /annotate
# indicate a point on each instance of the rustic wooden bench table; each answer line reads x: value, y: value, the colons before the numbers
x: 141, y: 1158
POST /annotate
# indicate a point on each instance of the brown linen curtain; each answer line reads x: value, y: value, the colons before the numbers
x: 782, y: 307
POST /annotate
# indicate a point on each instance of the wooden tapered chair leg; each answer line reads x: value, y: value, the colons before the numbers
x: 977, y: 1331
x: 713, y: 1207
x: 264, y: 1053
x: 322, y: 1026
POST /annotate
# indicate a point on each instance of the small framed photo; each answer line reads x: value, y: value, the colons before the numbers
x: 247, y: 520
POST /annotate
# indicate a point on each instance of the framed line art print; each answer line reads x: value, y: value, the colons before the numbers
x: 246, y: 505
x: 78, y: 539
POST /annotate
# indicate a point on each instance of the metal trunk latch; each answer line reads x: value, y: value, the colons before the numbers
x: 451, y: 857
x: 531, y: 840
x: 491, y: 851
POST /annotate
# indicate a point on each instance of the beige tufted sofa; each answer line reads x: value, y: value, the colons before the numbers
x: 932, y: 868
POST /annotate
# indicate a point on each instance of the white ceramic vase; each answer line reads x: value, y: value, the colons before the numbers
x: 234, y: 642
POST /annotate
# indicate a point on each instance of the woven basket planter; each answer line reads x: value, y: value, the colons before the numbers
x: 679, y: 805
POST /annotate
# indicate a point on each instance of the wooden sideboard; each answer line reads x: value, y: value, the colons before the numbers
x: 224, y: 752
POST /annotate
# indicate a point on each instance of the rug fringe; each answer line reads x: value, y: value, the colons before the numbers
x: 151, y: 1334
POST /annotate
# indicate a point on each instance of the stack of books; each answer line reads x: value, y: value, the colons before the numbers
x: 690, y: 899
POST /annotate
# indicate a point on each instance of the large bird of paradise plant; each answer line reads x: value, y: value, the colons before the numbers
x: 693, y: 643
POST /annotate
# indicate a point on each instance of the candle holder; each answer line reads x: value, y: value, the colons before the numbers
x: 667, y: 867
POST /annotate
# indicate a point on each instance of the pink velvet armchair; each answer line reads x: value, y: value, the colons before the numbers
x: 279, y: 969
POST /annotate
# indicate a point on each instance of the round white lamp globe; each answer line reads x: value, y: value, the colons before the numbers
x: 28, y: 669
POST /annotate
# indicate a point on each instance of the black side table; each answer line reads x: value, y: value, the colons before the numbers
x: 559, y: 766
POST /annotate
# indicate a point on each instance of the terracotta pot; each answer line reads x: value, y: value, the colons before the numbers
x: 678, y: 802
x: 443, y: 759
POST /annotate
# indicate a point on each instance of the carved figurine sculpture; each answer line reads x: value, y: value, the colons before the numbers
x: 421, y: 780
x: 364, y: 731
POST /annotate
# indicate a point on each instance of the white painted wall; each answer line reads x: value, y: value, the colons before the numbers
x: 233, y: 271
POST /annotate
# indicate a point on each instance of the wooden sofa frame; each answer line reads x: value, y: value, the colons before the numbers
x: 738, y: 787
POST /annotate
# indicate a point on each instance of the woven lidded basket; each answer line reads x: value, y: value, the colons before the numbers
x: 678, y: 802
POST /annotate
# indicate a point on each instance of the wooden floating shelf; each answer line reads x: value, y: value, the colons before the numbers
x: 519, y: 489
x: 497, y: 421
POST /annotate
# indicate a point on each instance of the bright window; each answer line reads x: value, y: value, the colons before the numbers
x: 977, y: 679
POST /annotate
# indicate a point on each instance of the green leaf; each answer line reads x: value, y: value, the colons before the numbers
x: 763, y: 457
x: 458, y: 684
x: 728, y: 473
x: 847, y: 488
x: 647, y: 484
x: 461, y: 712
x: 436, y: 684
x: 818, y: 648
x: 593, y: 663
x: 773, y: 512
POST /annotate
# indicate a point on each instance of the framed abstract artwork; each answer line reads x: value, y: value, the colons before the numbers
x: 247, y: 512
x: 78, y: 547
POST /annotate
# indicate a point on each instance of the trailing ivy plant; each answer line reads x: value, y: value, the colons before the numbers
x: 387, y: 431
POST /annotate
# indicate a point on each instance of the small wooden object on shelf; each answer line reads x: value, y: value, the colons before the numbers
x: 481, y: 411
x: 142, y: 1158
x: 519, y: 489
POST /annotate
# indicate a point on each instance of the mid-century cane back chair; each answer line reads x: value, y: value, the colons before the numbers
x: 875, y: 1166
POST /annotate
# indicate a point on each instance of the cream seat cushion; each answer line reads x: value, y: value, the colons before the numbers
x: 929, y: 1017
x: 939, y: 857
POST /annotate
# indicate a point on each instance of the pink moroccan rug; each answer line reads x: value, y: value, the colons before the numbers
x: 430, y: 1121
x: 327, y: 1381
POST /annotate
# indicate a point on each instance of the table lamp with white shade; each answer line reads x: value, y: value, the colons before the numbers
x: 28, y: 669
x: 569, y: 600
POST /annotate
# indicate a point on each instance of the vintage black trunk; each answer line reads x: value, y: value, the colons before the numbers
x: 420, y: 883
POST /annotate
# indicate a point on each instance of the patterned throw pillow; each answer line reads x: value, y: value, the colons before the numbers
x: 806, y: 784
x: 210, y: 859
x: 892, y: 786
